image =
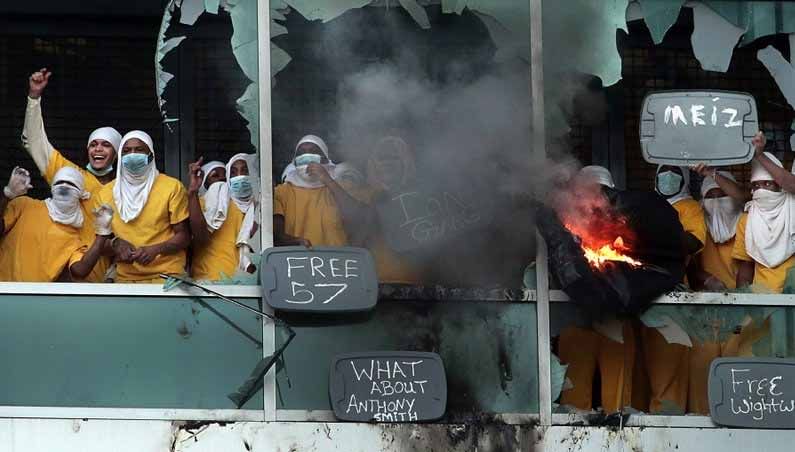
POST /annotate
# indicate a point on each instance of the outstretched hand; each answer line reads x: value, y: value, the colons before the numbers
x: 196, y: 176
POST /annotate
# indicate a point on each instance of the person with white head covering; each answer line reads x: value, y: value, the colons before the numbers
x: 598, y: 174
x: 717, y: 269
x: 765, y: 238
x: 151, y: 215
x: 311, y: 206
x: 101, y: 147
x: 785, y: 179
x: 40, y: 240
x: 673, y: 184
x: 217, y: 221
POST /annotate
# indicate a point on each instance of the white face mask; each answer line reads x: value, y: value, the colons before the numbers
x: 64, y: 206
x: 722, y: 215
x: 768, y: 199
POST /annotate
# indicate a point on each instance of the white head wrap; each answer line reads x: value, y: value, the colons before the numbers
x: 684, y: 193
x: 598, y: 174
x: 206, y: 169
x: 720, y: 214
x: 68, y: 212
x: 297, y: 175
x: 108, y: 134
x: 250, y: 208
x: 770, y: 231
x: 131, y: 192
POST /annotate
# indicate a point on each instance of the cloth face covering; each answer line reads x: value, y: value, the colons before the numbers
x: 721, y: 214
x: 770, y: 231
x: 133, y: 180
x: 207, y: 168
x: 64, y: 205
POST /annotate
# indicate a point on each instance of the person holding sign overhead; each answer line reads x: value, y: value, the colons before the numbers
x: 151, y: 215
x: 310, y: 206
x: 673, y: 183
x: 102, y: 145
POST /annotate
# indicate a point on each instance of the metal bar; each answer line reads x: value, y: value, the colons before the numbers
x: 642, y: 420
x: 707, y: 298
x: 223, y: 297
x: 266, y: 184
x: 223, y: 415
x: 542, y: 274
x: 118, y: 289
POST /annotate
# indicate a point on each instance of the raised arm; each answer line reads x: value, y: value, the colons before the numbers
x: 34, y: 137
x: 351, y: 209
x: 18, y: 185
x: 782, y: 177
x: 198, y: 224
x: 731, y: 188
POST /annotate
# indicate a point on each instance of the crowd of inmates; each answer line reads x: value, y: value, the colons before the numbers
x: 118, y: 219
x: 737, y: 239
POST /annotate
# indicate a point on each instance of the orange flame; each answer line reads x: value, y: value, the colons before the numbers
x: 598, y: 258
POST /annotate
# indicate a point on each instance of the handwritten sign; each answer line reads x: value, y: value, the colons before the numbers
x: 686, y: 127
x: 416, y: 219
x: 388, y: 387
x: 752, y: 392
x: 321, y: 279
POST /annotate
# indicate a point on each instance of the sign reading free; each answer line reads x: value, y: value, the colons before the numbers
x: 752, y: 392
x: 682, y: 128
x: 320, y: 279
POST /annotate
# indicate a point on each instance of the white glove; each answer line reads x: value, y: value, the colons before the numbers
x: 18, y: 183
x: 103, y: 215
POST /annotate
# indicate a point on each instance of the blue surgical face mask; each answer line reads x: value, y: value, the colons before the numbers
x: 240, y: 186
x: 135, y: 164
x: 99, y: 173
x: 669, y: 183
x: 306, y: 159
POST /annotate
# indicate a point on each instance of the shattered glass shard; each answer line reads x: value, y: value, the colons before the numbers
x: 713, y: 39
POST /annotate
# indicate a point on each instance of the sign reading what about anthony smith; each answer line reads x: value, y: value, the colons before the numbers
x: 388, y: 387
x: 319, y: 279
x: 752, y: 392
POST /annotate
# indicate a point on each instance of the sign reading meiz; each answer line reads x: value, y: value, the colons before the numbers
x: 388, y: 387
x: 687, y: 127
x: 320, y: 279
x: 752, y: 392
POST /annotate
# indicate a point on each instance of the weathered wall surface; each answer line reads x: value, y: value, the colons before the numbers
x: 66, y: 435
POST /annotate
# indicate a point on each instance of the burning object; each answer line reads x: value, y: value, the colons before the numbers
x: 618, y: 250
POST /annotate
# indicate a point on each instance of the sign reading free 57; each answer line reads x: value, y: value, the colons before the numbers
x: 319, y: 279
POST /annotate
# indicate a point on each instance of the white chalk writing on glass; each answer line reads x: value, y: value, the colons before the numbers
x: 317, y: 266
x: 394, y: 388
x: 758, y: 397
x: 437, y: 215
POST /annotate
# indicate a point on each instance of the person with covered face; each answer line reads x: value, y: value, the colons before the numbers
x: 717, y: 269
x: 150, y: 215
x: 223, y: 221
x: 310, y: 207
x: 673, y: 184
x: 101, y: 147
x: 40, y: 240
x: 765, y: 238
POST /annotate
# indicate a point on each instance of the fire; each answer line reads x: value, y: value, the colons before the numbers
x: 607, y: 253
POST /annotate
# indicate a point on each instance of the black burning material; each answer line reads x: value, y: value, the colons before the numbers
x: 253, y: 382
x: 620, y: 288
